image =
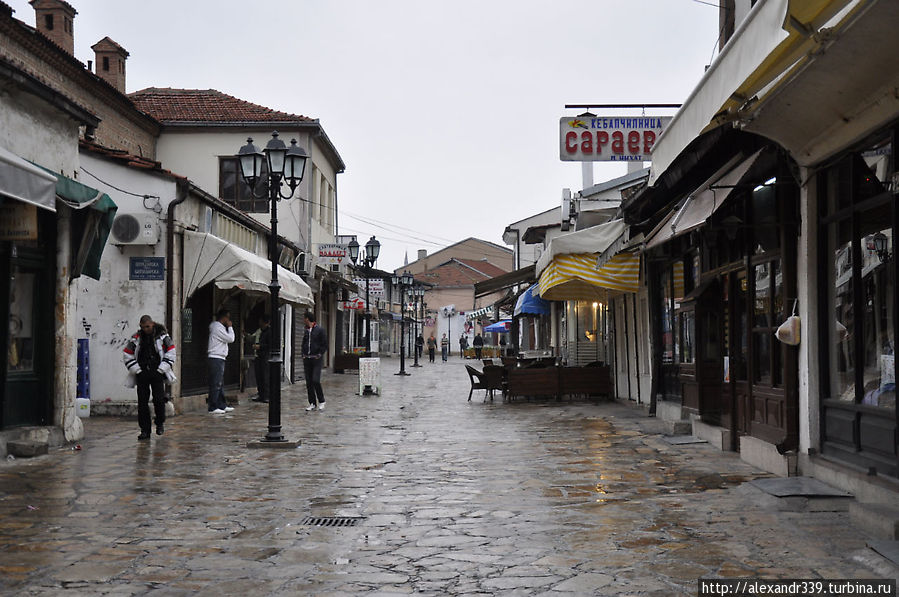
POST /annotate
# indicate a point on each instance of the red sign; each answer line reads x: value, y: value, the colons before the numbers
x: 609, y: 139
x: 354, y: 304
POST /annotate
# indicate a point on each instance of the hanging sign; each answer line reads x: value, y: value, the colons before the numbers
x: 609, y: 138
x: 375, y: 286
x: 332, y: 254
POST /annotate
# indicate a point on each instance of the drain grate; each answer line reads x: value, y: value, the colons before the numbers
x: 331, y: 521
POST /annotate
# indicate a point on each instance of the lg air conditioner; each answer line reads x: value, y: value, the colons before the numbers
x: 135, y: 229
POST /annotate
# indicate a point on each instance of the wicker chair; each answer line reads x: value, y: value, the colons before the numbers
x: 478, y: 381
x: 494, y: 377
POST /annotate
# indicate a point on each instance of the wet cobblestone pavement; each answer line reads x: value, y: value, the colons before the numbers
x: 454, y: 498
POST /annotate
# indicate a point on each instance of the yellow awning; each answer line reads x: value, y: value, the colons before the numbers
x: 575, y: 277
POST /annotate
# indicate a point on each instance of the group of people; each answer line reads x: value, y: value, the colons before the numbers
x: 477, y: 343
x: 149, y: 357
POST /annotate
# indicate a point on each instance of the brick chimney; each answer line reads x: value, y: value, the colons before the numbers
x: 110, y: 63
x: 56, y: 19
x: 422, y: 253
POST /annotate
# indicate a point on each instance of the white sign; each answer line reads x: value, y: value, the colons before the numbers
x: 609, y: 138
x: 375, y: 286
x: 332, y: 254
x: 370, y: 376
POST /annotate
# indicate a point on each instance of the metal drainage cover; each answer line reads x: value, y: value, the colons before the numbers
x: 331, y: 521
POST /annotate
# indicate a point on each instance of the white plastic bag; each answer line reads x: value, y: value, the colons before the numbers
x: 788, y: 332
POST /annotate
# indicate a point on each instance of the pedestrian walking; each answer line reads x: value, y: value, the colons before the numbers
x: 419, y: 345
x: 432, y: 347
x: 149, y: 356
x: 315, y: 345
x: 478, y: 344
x: 444, y: 347
x: 463, y: 344
x: 263, y: 348
x: 221, y: 334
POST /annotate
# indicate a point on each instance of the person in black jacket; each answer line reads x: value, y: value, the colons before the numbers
x: 478, y: 346
x: 149, y: 356
x: 263, y: 348
x: 315, y: 345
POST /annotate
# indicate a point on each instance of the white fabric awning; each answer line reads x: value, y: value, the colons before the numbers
x: 209, y: 259
x: 23, y: 181
x: 591, y: 240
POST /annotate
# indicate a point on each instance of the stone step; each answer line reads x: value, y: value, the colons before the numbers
x: 23, y: 448
x: 878, y: 520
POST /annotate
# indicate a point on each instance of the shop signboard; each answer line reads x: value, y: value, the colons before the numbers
x: 609, y: 138
x: 332, y: 254
x: 375, y: 286
x: 18, y: 221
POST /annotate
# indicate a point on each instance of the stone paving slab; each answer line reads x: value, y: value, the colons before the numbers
x: 538, y: 497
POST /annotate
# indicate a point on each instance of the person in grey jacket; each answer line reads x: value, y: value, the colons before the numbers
x: 221, y: 334
x: 149, y: 356
x: 315, y: 345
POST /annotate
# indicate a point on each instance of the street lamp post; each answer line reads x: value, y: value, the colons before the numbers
x: 417, y: 293
x: 372, y: 250
x: 403, y: 282
x: 285, y: 165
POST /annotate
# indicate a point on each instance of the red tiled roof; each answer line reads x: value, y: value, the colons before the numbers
x: 205, y: 106
x: 460, y: 272
x: 107, y: 42
x: 130, y: 160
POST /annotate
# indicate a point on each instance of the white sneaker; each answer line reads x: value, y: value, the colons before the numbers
x: 229, y: 409
x: 310, y: 407
x: 321, y: 406
x: 217, y: 411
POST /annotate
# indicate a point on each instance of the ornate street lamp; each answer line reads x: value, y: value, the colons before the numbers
x: 372, y: 250
x: 285, y: 165
x: 404, y: 283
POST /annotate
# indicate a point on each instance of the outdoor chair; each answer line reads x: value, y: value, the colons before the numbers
x: 493, y: 376
x: 478, y: 381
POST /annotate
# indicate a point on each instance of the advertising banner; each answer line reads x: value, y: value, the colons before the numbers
x: 609, y: 138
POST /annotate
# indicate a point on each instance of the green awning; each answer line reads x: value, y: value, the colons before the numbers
x: 93, y: 215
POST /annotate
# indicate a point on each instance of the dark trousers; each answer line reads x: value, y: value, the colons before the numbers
x: 260, y: 366
x: 477, y: 352
x: 148, y: 381
x: 312, y: 368
x: 431, y: 354
x: 418, y: 350
x: 216, y: 398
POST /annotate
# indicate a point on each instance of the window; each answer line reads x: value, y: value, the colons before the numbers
x: 106, y: 63
x: 767, y: 314
x: 857, y: 210
x: 48, y: 22
x: 233, y: 190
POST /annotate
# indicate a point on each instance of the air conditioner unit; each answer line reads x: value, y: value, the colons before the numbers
x: 135, y: 229
x: 300, y: 264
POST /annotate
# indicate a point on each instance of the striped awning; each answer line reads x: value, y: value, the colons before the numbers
x: 575, y: 277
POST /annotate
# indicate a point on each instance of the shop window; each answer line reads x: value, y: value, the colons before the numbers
x: 765, y: 223
x: 667, y: 320
x: 878, y: 322
x: 687, y: 336
x: 842, y: 340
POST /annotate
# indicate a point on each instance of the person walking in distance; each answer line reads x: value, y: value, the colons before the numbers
x: 463, y: 344
x: 478, y: 344
x: 149, y: 356
x: 419, y: 345
x: 221, y: 334
x: 263, y: 348
x: 315, y: 345
x: 444, y: 347
x: 432, y: 347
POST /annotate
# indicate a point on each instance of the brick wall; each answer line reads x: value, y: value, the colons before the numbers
x: 121, y: 125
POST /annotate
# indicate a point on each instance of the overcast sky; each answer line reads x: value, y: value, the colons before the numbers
x: 445, y: 112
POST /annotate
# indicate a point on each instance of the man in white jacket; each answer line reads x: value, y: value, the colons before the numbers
x: 221, y: 334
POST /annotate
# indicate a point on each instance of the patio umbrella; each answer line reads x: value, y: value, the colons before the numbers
x: 499, y: 326
x: 529, y: 303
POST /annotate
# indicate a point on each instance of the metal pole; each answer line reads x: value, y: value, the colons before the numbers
x: 402, y: 370
x: 367, y: 315
x: 274, y: 362
x: 415, y: 327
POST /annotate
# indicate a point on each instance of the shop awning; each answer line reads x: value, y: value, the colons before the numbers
x: 94, y: 212
x: 575, y: 277
x: 589, y: 240
x: 479, y: 313
x: 706, y: 199
x: 531, y: 304
x: 773, y: 39
x: 524, y: 275
x: 209, y: 259
x: 23, y: 181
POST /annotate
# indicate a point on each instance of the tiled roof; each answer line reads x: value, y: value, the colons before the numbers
x: 107, y: 42
x: 460, y: 272
x: 125, y: 158
x: 207, y: 106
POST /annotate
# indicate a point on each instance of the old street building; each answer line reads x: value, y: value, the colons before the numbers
x: 773, y: 192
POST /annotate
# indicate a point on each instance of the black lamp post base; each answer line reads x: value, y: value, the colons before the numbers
x: 402, y: 373
x: 416, y: 365
x: 284, y: 444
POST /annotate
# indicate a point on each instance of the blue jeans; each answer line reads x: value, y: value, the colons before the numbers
x: 216, y: 382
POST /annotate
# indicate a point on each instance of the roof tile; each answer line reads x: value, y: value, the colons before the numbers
x: 208, y: 106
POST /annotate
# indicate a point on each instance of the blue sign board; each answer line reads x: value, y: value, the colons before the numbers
x: 146, y: 268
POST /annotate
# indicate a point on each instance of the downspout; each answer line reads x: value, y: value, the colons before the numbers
x: 182, y: 185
